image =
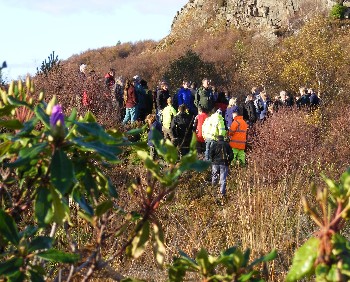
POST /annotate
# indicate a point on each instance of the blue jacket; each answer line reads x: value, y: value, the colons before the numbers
x: 184, y: 96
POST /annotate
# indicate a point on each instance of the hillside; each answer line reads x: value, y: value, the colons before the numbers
x: 98, y: 198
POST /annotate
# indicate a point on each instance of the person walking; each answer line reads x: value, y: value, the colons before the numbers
x: 130, y: 101
x: 221, y: 155
x: 212, y: 127
x: 238, y: 137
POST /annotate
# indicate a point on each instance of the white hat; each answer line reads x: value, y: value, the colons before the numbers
x: 137, y: 78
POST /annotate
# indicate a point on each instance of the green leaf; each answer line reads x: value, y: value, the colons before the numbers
x: 321, y: 272
x: 11, y: 124
x: 41, y: 114
x: 86, y: 217
x: 93, y: 129
x: 54, y: 255
x: 72, y: 116
x: 271, y: 256
x: 8, y: 228
x: 28, y: 154
x: 109, y: 152
x: 82, y: 202
x: 334, y: 274
x: 28, y: 128
x: 62, y: 172
x: 188, y: 258
x: 104, y: 207
x: 158, y: 244
x: 112, y: 189
x: 60, y: 208
x: 43, y: 206
x: 11, y: 266
x: 139, y: 242
x: 247, y: 276
x: 16, y: 102
x: 35, y: 276
x: 165, y: 148
x: 40, y: 243
x: 136, y: 131
x: 304, y: 259
x: 19, y: 276
x: 5, y: 147
x: 203, y: 262
x: 6, y: 111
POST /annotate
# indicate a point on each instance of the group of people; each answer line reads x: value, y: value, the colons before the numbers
x: 220, y: 125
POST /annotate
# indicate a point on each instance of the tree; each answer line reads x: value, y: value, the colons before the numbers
x: 190, y: 67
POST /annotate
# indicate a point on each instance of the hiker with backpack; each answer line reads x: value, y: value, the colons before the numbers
x: 212, y: 127
x: 221, y: 156
x: 181, y: 129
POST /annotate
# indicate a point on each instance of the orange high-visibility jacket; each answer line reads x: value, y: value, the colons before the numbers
x: 238, y: 133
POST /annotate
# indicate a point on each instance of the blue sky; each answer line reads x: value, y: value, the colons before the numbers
x: 32, y: 29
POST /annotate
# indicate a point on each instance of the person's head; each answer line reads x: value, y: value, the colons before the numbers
x: 283, y: 94
x: 194, y: 85
x: 232, y: 102
x: 182, y: 108
x: 185, y: 84
x: 205, y: 82
x: 111, y: 72
x: 143, y: 83
x: 255, y: 90
x: 119, y: 80
x: 220, y: 138
x: 150, y: 119
x: 263, y: 95
x: 302, y: 91
x: 200, y: 109
x: 310, y: 91
x: 250, y: 97
x: 169, y: 101
x: 136, y: 79
x: 164, y: 85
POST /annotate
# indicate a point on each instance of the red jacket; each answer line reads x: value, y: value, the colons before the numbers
x: 131, y: 98
x: 238, y: 133
x: 200, y: 120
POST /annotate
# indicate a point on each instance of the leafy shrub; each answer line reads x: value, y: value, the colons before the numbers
x: 338, y: 11
x: 190, y: 67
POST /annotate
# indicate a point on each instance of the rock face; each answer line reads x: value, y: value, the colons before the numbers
x: 265, y: 15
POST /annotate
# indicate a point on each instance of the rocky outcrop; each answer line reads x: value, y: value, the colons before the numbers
x: 250, y: 14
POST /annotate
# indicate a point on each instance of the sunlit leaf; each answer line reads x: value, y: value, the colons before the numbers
x: 158, y: 244
x: 140, y: 241
x: 303, y: 260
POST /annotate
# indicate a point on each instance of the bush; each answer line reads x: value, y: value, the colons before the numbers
x: 338, y: 11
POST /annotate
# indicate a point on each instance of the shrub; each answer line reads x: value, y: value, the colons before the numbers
x: 338, y: 11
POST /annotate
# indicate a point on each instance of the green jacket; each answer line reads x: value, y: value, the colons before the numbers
x: 168, y: 114
x: 213, y: 126
x: 204, y: 98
